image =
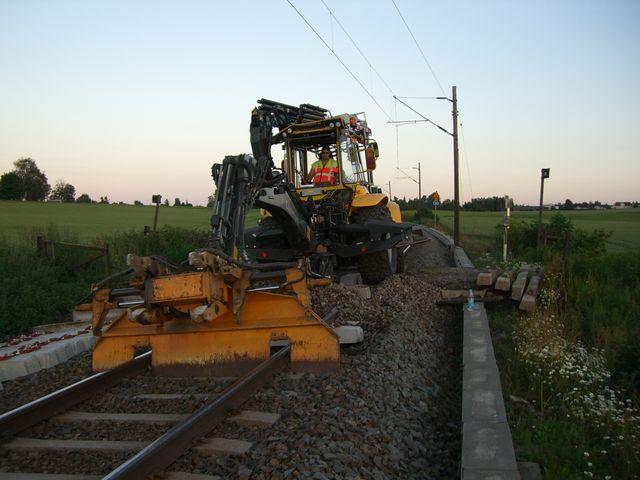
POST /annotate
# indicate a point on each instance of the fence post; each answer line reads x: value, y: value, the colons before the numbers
x: 106, y: 259
x: 40, y: 245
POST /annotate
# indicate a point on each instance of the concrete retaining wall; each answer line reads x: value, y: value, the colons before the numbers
x: 487, y: 447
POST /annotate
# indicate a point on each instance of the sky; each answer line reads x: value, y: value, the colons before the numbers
x: 132, y: 98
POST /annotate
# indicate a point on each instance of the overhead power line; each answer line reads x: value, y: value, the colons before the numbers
x: 424, y: 57
x: 353, y: 75
x: 425, y: 118
x: 353, y: 42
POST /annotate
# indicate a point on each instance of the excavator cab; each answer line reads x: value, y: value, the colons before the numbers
x: 353, y: 224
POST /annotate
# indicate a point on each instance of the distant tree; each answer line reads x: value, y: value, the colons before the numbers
x: 210, y: 201
x: 35, y: 184
x: 568, y: 205
x: 166, y: 202
x: 138, y: 202
x: 177, y: 202
x: 104, y: 200
x: 84, y: 198
x: 11, y: 187
x: 187, y: 204
x: 63, y: 192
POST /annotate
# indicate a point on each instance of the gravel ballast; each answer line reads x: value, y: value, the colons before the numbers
x: 393, y: 410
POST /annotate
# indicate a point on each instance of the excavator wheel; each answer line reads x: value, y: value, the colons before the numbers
x: 375, y: 267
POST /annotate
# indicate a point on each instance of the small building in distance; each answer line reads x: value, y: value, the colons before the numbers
x: 622, y: 205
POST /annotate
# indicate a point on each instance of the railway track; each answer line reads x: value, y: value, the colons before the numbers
x: 152, y: 457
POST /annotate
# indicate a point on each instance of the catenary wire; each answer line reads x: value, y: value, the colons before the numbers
x: 424, y: 57
x: 425, y: 118
x: 339, y: 59
x: 353, y: 42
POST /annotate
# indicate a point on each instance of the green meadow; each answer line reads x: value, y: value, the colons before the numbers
x: 87, y: 221
x: 623, y: 224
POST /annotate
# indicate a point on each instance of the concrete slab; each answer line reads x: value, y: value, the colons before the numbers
x: 471, y: 474
x: 363, y: 291
x: 253, y: 417
x: 476, y: 376
x: 461, y: 259
x: 517, y: 289
x: 224, y: 446
x: 487, y: 278
x: 349, y: 334
x: 87, y: 316
x: 21, y: 443
x: 487, y: 446
x: 188, y: 476
x: 483, y: 404
x: 46, y: 476
x: 172, y: 396
x: 528, y: 303
x: 478, y: 353
x: 503, y: 283
x: 351, y: 279
x: 48, y: 355
x: 151, y: 418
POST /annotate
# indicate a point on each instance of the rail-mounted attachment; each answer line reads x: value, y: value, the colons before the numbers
x: 216, y: 317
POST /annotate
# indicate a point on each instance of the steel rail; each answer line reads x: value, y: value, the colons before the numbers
x: 45, y: 407
x: 165, y: 450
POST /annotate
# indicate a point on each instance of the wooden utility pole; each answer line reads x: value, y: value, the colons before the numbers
x: 390, y: 196
x: 456, y: 180
x: 419, y: 183
x: 544, y: 173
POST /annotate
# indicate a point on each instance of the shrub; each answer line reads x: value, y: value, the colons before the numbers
x: 34, y: 290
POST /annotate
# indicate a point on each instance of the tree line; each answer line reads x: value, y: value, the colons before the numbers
x: 27, y: 182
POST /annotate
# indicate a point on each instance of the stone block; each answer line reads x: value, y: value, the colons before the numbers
x: 473, y: 474
x: 363, y: 291
x: 252, y: 417
x: 528, y: 303
x: 483, y: 404
x: 487, y: 278
x: 519, y: 285
x: 149, y: 418
x: 351, y: 279
x: 37, y: 444
x: 487, y: 446
x: 46, y: 476
x: 349, y: 334
x: 476, y: 375
x: 224, y: 446
x: 503, y: 283
x: 187, y: 476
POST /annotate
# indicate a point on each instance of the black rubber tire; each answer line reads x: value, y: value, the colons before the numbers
x: 270, y: 223
x: 373, y: 267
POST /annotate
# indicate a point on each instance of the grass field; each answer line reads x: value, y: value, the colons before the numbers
x: 624, y: 225
x: 88, y: 221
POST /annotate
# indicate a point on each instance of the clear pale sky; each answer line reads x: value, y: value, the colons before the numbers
x: 133, y: 98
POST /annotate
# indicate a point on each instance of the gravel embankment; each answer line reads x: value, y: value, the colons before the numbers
x: 392, y: 412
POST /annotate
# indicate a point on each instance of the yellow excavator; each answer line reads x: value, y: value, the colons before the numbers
x: 219, y: 312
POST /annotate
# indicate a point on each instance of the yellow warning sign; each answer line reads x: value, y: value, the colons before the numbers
x: 436, y: 196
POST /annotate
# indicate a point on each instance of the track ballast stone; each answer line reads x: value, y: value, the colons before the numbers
x: 392, y: 412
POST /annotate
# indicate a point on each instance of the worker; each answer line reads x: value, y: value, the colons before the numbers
x: 324, y: 170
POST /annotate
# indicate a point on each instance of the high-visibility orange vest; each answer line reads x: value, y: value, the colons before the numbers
x: 327, y: 173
